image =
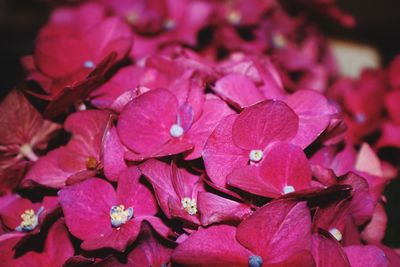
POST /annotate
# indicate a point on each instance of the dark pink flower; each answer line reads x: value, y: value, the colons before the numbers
x: 269, y: 237
x: 284, y: 169
x: 176, y: 189
x: 242, y: 139
x: 20, y: 214
x: 22, y: 132
x: 79, y: 159
x: 155, y: 125
x: 93, y: 48
x: 375, y: 230
x: 103, y: 218
x: 56, y: 250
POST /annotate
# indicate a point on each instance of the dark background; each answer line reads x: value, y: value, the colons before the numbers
x: 378, y: 25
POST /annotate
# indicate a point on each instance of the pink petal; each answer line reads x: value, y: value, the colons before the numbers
x: 87, y: 207
x: 248, y: 178
x: 213, y: 246
x: 238, y: 90
x: 159, y: 175
x: 263, y: 123
x: 286, y: 165
x: 360, y: 256
x: 117, y: 239
x: 214, y: 111
x: 215, y: 209
x: 220, y: 155
x: 375, y: 230
x: 145, y: 122
x: 277, y: 231
x: 328, y: 252
x: 313, y: 110
x: 113, y: 155
x: 132, y: 193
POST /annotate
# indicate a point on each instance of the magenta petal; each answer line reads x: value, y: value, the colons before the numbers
x: 285, y: 166
x: 48, y: 172
x: 375, y: 230
x: 213, y: 112
x: 360, y: 256
x: 215, y: 209
x: 248, y: 178
x: 313, y: 110
x: 159, y: 175
x: 263, y: 123
x: 58, y: 247
x: 113, y: 155
x: 328, y: 252
x: 145, y: 122
x: 132, y: 193
x: 238, y: 90
x: 213, y: 246
x: 220, y: 155
x: 277, y: 231
x: 86, y: 208
x: 117, y: 239
x: 111, y: 35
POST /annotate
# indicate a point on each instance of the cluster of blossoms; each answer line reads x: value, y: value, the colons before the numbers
x: 195, y: 133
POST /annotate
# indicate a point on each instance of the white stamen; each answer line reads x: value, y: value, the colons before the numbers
x: 176, y: 130
x: 336, y: 234
x: 279, y: 40
x: 88, y: 64
x: 288, y: 189
x: 169, y: 24
x: 256, y: 155
x: 234, y: 17
x: 190, y: 205
x: 27, y: 151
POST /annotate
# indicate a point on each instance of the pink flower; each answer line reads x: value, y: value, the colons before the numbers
x: 56, y: 250
x: 242, y: 139
x: 168, y: 128
x: 72, y: 78
x: 103, y: 218
x: 19, y: 141
x: 176, y: 189
x: 20, y: 214
x: 80, y: 159
x: 284, y: 169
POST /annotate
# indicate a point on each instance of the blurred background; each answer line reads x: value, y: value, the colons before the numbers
x: 378, y: 26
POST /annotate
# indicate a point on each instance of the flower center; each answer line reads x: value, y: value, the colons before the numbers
x: 119, y: 215
x: 255, y: 261
x: 91, y: 163
x: 88, y: 64
x: 256, y: 155
x: 132, y: 17
x: 29, y: 220
x: 234, y: 17
x: 288, y: 189
x: 176, y: 130
x: 169, y: 24
x: 360, y: 118
x: 336, y: 234
x: 190, y: 205
x: 279, y: 40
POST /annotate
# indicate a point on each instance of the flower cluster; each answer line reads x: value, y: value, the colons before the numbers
x: 194, y: 133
